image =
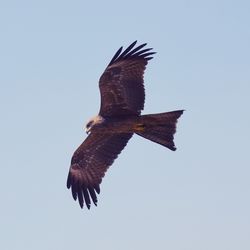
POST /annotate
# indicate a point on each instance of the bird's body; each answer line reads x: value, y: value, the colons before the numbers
x: 113, y: 125
x: 122, y: 100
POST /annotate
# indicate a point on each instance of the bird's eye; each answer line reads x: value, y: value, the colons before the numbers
x: 88, y: 124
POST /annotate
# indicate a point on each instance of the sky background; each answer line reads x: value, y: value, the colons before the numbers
x: 52, y: 54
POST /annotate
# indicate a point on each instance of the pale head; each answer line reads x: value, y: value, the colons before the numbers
x: 93, y: 122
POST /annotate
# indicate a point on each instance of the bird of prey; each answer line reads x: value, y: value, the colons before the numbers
x: 122, y: 100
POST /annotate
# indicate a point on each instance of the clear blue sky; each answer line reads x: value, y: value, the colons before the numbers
x: 52, y: 54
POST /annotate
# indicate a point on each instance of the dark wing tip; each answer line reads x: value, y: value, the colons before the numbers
x: 97, y: 188
x: 69, y: 181
x: 132, y: 53
x: 83, y: 193
x: 172, y: 147
x: 74, y: 192
x: 179, y: 113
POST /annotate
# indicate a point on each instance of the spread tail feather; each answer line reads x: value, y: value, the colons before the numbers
x: 160, y: 128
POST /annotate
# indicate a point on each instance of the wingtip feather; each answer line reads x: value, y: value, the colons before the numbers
x: 68, y: 181
x: 73, y: 191
x: 97, y: 188
x: 80, y: 197
x: 131, y: 52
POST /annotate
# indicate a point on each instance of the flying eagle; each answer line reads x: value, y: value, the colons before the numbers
x: 122, y: 100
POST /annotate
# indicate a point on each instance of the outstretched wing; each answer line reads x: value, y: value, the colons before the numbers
x: 121, y: 84
x: 90, y: 162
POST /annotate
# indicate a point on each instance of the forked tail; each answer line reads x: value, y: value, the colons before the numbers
x: 160, y: 128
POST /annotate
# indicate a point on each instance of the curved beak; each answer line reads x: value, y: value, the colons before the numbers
x: 87, y: 130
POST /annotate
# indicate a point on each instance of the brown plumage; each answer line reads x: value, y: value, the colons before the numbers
x: 122, y: 100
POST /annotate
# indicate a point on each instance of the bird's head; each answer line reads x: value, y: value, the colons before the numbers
x: 93, y: 122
